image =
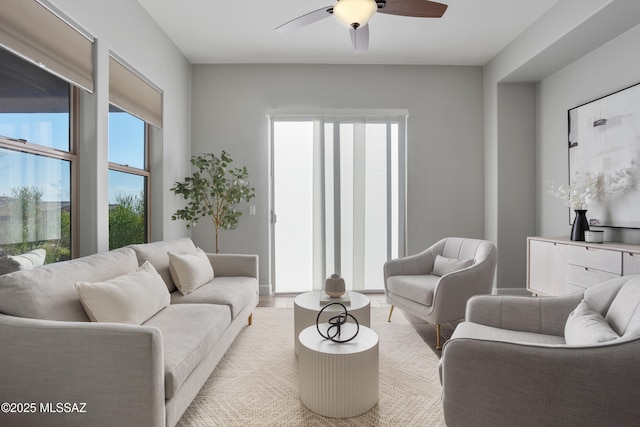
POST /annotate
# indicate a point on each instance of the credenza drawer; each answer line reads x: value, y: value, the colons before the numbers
x: 559, y: 265
x: 595, y: 259
x: 586, y: 277
x: 630, y: 263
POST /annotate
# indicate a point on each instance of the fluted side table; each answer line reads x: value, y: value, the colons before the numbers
x: 338, y: 380
x: 307, y: 305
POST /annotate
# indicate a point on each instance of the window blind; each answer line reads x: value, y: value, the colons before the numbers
x: 32, y: 31
x: 130, y: 92
x: 347, y: 172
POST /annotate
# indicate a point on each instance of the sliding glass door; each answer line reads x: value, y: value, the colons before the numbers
x: 338, y: 200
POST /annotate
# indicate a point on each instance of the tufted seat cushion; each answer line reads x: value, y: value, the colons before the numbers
x: 234, y: 292
x: 490, y: 333
x: 418, y: 288
x: 189, y: 333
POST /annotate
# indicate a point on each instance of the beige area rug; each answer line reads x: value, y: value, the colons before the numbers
x: 256, y: 383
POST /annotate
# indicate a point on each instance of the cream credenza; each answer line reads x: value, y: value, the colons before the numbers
x: 558, y: 265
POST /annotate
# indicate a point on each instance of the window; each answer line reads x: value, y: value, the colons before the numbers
x: 37, y: 160
x: 128, y: 179
x: 136, y: 105
x: 338, y: 199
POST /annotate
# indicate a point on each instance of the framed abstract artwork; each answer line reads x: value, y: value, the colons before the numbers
x: 604, y: 136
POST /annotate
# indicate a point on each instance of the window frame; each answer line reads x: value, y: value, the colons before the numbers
x: 146, y: 173
x: 71, y: 156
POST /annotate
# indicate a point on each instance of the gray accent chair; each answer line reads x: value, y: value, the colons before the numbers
x: 510, y: 363
x: 435, y: 284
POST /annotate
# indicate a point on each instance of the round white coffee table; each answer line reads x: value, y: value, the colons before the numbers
x: 306, y: 307
x: 338, y: 380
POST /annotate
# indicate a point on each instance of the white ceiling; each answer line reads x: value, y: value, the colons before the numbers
x: 471, y: 32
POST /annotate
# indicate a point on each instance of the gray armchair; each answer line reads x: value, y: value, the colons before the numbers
x: 435, y: 284
x: 546, y: 361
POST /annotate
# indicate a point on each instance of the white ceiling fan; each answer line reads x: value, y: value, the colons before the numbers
x: 355, y: 14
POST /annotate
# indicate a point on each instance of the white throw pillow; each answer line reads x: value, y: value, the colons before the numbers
x: 190, y: 271
x: 130, y: 298
x: 27, y: 260
x: 585, y: 327
x: 443, y: 265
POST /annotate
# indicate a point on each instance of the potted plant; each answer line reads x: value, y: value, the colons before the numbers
x: 213, y: 189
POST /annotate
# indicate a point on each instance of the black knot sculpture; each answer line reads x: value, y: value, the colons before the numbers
x: 335, y: 324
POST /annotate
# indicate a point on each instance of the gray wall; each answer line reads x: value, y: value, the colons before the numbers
x: 607, y: 69
x: 124, y: 27
x: 564, y: 59
x: 516, y: 176
x: 471, y: 136
x: 445, y: 137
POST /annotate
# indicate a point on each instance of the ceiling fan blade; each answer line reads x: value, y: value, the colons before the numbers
x: 360, y: 38
x: 417, y: 8
x: 306, y: 19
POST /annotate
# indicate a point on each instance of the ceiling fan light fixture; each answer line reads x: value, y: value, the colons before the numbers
x: 355, y: 13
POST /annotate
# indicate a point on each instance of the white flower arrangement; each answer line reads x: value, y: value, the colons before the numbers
x: 587, y: 187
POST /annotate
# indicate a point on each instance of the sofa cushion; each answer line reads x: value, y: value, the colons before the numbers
x: 157, y: 253
x: 235, y: 292
x: 490, y: 333
x: 129, y: 298
x: 586, y: 327
x: 600, y: 296
x: 443, y: 265
x: 418, y: 288
x: 189, y: 333
x: 190, y: 271
x: 624, y: 313
x: 49, y: 292
x: 25, y: 261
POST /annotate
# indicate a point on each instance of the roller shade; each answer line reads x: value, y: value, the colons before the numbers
x: 35, y: 33
x: 130, y: 92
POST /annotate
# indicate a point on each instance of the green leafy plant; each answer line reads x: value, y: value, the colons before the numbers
x: 127, y: 221
x: 214, y: 190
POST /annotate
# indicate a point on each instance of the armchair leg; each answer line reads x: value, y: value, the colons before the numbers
x: 438, y: 343
x: 390, y: 312
x: 250, y: 319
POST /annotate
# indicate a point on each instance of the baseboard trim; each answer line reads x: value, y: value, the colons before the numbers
x: 264, y: 290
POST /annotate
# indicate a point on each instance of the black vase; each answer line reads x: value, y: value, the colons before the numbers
x: 580, y: 225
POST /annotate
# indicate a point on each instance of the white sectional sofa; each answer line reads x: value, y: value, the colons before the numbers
x: 149, y: 348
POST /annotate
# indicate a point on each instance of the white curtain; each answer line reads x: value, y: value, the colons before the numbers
x: 355, y: 212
